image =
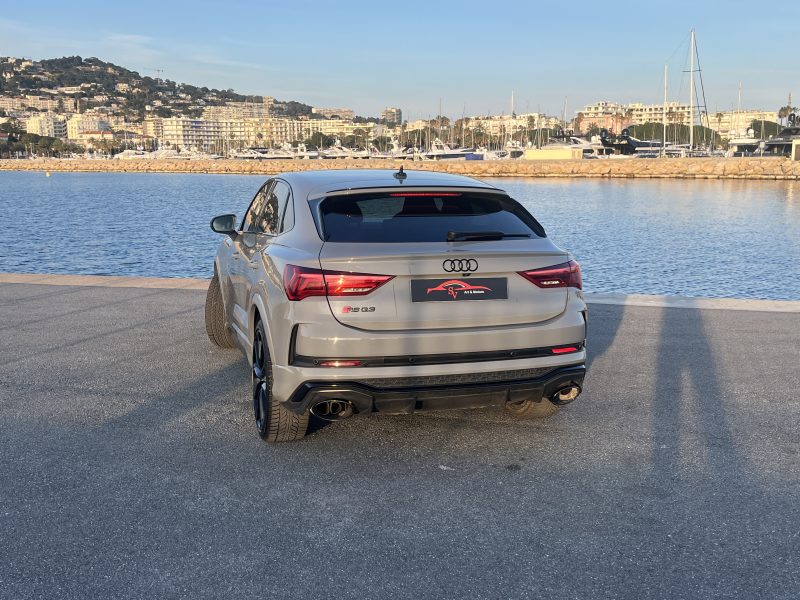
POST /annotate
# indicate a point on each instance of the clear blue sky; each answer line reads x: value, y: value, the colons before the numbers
x: 371, y: 54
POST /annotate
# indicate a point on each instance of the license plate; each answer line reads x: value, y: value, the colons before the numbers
x: 467, y: 288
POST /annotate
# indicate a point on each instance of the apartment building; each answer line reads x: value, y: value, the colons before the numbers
x: 392, y: 116
x: 676, y: 113
x: 342, y: 113
x: 43, y: 103
x: 120, y: 123
x: 735, y: 123
x: 509, y: 124
x: 615, y: 116
x: 80, y: 124
x: 334, y: 128
x: 190, y: 134
x: 153, y: 127
x: 91, y: 139
x: 233, y: 111
x: 49, y: 125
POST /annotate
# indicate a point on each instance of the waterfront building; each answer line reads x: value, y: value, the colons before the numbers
x: 47, y: 124
x: 232, y: 111
x: 285, y: 131
x: 91, y: 139
x: 418, y: 125
x: 335, y: 128
x: 43, y: 103
x: 153, y: 127
x: 77, y: 125
x: 120, y: 123
x: 602, y: 115
x: 676, y: 113
x: 189, y: 134
x: 342, y: 113
x: 212, y: 135
x: 616, y: 116
x: 222, y: 135
x: 735, y: 123
x: 392, y: 116
x: 502, y: 125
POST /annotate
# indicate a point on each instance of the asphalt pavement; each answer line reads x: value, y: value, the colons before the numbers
x: 130, y: 468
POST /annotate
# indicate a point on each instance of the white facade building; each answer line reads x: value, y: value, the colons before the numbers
x: 342, y: 113
x: 47, y: 125
x: 78, y: 124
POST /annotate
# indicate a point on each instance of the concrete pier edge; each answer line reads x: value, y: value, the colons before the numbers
x: 790, y: 306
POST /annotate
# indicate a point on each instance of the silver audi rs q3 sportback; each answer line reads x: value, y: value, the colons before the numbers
x: 356, y: 291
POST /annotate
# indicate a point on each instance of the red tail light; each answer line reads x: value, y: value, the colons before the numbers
x: 564, y: 350
x: 424, y: 194
x: 302, y: 282
x: 566, y: 274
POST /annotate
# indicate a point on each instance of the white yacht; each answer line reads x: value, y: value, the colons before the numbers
x: 441, y: 151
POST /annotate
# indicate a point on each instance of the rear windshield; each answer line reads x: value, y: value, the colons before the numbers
x: 422, y: 217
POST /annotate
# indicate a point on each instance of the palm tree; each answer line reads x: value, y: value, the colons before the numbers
x: 719, y: 116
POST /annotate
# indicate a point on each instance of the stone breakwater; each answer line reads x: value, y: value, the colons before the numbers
x: 678, y: 168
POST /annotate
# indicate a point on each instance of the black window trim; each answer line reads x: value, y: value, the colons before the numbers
x: 289, y: 202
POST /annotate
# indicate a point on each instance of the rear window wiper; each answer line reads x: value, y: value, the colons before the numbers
x: 469, y: 236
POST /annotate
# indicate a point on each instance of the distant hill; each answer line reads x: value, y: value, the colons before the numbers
x: 100, y: 78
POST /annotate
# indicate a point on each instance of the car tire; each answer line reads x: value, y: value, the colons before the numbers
x: 218, y: 332
x: 274, y: 422
x: 530, y: 409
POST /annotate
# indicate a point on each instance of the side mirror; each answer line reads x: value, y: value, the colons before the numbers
x: 225, y: 224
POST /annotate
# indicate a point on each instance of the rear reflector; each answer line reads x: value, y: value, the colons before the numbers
x: 302, y: 282
x: 340, y: 363
x: 565, y: 350
x: 566, y: 274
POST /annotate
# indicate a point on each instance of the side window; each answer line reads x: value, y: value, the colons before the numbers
x: 251, y: 221
x: 285, y: 206
x: 270, y: 213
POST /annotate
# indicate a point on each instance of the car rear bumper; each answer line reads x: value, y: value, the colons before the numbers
x: 367, y: 398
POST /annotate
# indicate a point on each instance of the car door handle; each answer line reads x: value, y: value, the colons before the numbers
x: 236, y: 255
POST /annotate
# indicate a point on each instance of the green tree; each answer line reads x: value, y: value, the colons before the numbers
x: 785, y: 111
x: 319, y: 140
x: 769, y: 128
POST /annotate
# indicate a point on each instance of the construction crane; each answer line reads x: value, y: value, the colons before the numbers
x: 158, y: 72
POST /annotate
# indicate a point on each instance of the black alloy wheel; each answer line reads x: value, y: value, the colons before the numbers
x: 275, y: 422
x: 262, y: 372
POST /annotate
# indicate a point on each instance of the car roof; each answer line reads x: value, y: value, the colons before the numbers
x: 329, y: 180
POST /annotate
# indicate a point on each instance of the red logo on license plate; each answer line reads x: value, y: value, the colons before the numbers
x: 454, y: 287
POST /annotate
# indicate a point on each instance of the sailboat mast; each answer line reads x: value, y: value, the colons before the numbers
x: 664, y: 115
x: 739, y: 110
x: 691, y: 91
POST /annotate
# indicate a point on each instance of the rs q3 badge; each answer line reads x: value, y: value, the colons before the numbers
x: 358, y: 309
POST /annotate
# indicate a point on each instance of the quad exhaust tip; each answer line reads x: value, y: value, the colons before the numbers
x: 332, y: 410
x: 566, y: 394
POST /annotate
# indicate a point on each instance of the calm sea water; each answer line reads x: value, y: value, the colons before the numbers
x: 737, y: 239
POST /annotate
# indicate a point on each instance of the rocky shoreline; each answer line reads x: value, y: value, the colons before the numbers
x: 659, y: 168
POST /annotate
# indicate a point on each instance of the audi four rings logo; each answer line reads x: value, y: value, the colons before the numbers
x: 460, y: 265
